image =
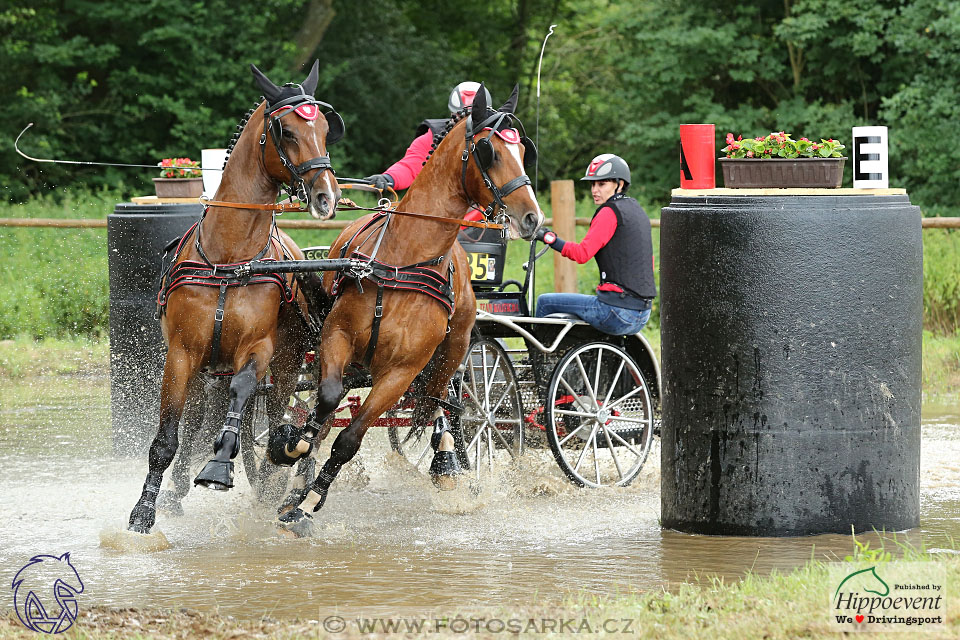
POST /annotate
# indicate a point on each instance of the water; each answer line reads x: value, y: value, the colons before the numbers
x: 387, y: 542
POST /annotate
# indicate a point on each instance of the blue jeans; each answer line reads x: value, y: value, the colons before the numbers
x: 616, y: 321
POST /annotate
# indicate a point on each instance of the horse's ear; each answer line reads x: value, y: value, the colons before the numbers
x: 310, y: 84
x: 510, y: 106
x: 270, y: 91
x: 478, y: 110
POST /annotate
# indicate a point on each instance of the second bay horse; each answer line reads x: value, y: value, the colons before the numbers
x: 393, y: 330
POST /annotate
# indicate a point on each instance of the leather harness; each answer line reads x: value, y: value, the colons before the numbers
x: 208, y: 274
x: 412, y: 277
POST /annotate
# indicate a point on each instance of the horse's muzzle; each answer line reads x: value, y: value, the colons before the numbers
x: 529, y: 223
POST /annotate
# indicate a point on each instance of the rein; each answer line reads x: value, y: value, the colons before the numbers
x: 278, y: 207
x: 457, y: 221
x: 283, y: 207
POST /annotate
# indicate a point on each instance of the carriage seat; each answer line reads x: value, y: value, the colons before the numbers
x: 563, y: 316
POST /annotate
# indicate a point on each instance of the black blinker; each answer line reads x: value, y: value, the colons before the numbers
x: 335, y: 127
x: 529, y: 152
x: 484, y: 153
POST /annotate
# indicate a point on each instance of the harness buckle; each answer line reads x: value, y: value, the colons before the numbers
x: 465, y: 155
x: 263, y: 139
x: 218, y: 316
x: 378, y: 311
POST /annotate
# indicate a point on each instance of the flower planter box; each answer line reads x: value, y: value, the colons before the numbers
x: 178, y: 187
x: 782, y: 173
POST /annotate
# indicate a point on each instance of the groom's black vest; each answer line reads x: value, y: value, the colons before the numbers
x: 627, y: 259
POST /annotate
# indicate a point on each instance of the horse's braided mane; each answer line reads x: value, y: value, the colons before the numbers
x: 239, y: 130
x: 451, y: 123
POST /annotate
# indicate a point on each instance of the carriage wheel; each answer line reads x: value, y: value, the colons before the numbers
x: 599, y: 416
x: 491, y: 424
x: 410, y: 440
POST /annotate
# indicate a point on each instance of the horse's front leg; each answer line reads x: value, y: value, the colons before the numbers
x: 384, y: 394
x: 169, y: 500
x: 178, y: 370
x: 218, y: 472
x: 447, y: 359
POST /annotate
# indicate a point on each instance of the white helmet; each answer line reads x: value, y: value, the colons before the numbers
x: 607, y: 166
x: 463, y: 94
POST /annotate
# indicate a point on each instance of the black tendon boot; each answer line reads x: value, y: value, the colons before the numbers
x: 445, y: 464
x: 218, y: 473
x: 144, y: 514
x: 283, y: 442
x: 299, y: 521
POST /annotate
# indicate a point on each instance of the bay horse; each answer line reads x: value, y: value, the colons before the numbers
x: 262, y: 322
x: 396, y: 332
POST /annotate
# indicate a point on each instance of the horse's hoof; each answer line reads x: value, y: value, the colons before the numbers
x: 298, y: 522
x: 444, y: 482
x: 294, y: 498
x: 444, y: 465
x: 142, y: 519
x: 217, y: 475
x: 168, y: 503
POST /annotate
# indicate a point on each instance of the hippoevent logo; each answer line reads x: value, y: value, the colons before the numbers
x: 45, y: 593
x: 893, y: 596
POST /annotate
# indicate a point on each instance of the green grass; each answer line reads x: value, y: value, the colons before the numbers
x: 941, y: 366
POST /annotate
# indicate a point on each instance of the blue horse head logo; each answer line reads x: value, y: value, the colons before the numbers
x: 46, y: 580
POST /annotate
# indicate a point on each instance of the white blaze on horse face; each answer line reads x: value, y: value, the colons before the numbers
x: 325, y: 182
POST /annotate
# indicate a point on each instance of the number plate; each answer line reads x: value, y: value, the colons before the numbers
x: 483, y: 266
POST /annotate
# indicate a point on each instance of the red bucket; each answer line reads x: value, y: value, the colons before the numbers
x: 698, y: 152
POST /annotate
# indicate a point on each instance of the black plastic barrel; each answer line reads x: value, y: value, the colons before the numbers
x: 136, y: 236
x: 791, y: 348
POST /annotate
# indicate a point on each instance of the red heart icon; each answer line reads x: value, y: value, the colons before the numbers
x: 859, y: 618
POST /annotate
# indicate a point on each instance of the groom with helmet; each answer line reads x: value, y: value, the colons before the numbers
x: 619, y: 239
x: 402, y: 173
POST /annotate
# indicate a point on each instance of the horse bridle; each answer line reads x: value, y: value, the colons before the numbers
x: 484, y: 155
x: 272, y: 114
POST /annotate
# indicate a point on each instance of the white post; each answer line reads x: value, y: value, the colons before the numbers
x: 212, y: 162
x: 870, y: 158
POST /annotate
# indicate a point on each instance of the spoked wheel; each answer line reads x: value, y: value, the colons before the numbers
x: 269, y: 481
x: 412, y: 441
x: 491, y: 425
x: 599, y: 416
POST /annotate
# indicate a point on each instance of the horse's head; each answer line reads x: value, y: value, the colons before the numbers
x: 300, y: 133
x: 496, y: 154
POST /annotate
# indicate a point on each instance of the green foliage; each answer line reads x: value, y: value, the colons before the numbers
x: 863, y: 553
x: 130, y: 82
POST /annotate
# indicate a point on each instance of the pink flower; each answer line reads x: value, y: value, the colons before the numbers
x: 749, y: 154
x: 729, y: 138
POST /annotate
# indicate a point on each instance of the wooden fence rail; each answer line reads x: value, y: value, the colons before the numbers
x: 563, y: 205
x: 98, y: 223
